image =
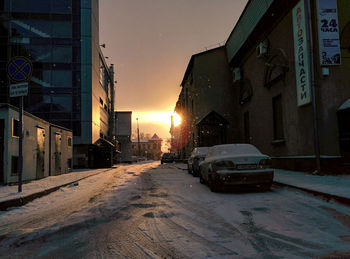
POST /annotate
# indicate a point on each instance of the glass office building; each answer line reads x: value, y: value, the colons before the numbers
x: 71, y: 84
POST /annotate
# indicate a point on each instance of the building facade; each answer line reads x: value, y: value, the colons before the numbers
x: 206, y: 103
x: 48, y: 148
x: 123, y: 135
x: 150, y: 149
x: 290, y: 63
x: 71, y: 84
x: 288, y: 120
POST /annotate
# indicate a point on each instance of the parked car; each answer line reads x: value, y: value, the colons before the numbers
x: 236, y: 165
x: 198, y: 155
x: 168, y: 158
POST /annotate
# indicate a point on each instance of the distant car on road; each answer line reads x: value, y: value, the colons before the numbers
x: 236, y: 165
x: 168, y: 158
x: 198, y: 155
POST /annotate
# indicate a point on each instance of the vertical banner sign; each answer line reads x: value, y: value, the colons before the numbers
x: 328, y: 33
x: 301, y: 57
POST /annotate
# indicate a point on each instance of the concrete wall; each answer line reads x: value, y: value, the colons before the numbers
x: 123, y: 133
x: 123, y: 123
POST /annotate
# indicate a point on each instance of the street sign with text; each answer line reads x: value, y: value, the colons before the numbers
x: 20, y: 89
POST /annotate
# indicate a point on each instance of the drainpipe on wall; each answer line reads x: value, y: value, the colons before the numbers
x: 313, y: 89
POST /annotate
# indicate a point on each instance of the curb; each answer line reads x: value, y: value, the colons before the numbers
x: 326, y: 196
x: 4, y: 205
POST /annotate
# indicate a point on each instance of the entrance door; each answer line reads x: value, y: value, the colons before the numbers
x: 211, y: 135
x: 344, y: 133
x: 2, y: 144
x: 40, y: 153
x: 58, y: 140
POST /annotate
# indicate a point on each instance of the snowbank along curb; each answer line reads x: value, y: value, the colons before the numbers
x: 327, y: 196
x: 4, y: 205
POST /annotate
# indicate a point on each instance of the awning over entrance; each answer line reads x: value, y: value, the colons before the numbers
x: 212, y: 118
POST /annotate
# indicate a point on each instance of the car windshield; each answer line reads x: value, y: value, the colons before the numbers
x: 233, y: 149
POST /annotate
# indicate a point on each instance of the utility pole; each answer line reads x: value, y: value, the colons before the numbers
x: 138, y: 137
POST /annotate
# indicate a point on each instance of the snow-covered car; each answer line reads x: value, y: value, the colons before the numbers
x: 198, y: 155
x: 236, y: 165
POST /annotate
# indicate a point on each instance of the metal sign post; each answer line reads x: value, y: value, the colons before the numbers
x: 19, y: 70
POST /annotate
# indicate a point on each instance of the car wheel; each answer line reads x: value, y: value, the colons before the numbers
x: 213, y: 185
x: 201, y: 180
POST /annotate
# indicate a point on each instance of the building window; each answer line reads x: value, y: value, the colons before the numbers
x: 14, y: 165
x: 69, y: 140
x: 246, y: 127
x: 101, y: 101
x: 277, y: 118
x: 15, y: 128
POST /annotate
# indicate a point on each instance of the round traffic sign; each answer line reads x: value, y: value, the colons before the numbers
x: 19, y: 69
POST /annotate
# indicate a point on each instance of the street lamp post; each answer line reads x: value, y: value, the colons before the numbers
x: 138, y: 137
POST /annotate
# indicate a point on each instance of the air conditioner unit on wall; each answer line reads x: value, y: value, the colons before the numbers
x: 236, y: 74
x: 261, y: 49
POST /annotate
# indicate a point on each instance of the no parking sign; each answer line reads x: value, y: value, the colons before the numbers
x: 19, y: 70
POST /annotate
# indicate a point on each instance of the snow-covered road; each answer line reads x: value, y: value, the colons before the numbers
x: 159, y: 211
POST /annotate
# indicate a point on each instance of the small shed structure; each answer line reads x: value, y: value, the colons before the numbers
x: 47, y: 148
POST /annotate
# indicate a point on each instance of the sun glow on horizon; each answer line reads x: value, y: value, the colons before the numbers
x: 158, y: 117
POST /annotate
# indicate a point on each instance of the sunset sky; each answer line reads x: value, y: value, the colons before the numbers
x: 151, y: 42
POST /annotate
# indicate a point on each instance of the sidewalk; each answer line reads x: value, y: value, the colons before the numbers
x: 10, y: 197
x: 330, y: 187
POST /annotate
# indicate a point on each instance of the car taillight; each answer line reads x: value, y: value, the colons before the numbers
x: 219, y: 165
x: 265, y: 163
